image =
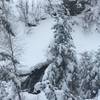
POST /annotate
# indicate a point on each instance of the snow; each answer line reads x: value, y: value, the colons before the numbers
x: 96, y: 98
x: 9, y: 93
x: 35, y: 41
x: 6, y: 90
x: 85, y: 41
x: 99, y: 95
x: 60, y: 94
x: 38, y: 40
x: 28, y: 96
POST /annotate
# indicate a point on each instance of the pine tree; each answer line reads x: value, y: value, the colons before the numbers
x: 88, y: 76
x: 62, y: 55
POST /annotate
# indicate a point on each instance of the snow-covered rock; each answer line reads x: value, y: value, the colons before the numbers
x: 28, y: 96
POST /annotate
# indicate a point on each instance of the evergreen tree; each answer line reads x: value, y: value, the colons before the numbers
x: 88, y: 76
x: 62, y: 55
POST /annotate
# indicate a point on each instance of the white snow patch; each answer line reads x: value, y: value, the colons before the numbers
x: 85, y: 41
x: 60, y: 94
x: 28, y: 96
x: 34, y: 41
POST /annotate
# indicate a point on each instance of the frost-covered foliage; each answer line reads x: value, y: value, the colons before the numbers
x: 30, y: 12
x: 48, y: 89
x: 86, y: 12
x: 91, y: 15
x: 62, y: 57
x: 89, y: 75
x: 7, y: 51
x: 51, y: 92
x: 64, y: 73
x: 97, y: 69
x: 7, y: 90
x: 63, y: 78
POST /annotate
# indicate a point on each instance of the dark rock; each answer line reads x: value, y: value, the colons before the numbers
x: 31, y: 25
x: 35, y: 76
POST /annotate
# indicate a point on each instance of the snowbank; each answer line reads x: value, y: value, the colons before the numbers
x: 28, y: 96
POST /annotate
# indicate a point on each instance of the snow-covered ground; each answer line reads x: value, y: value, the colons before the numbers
x: 38, y: 40
x: 41, y: 96
x: 97, y: 97
x: 28, y: 96
x: 35, y: 41
x: 9, y: 93
x: 85, y: 41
